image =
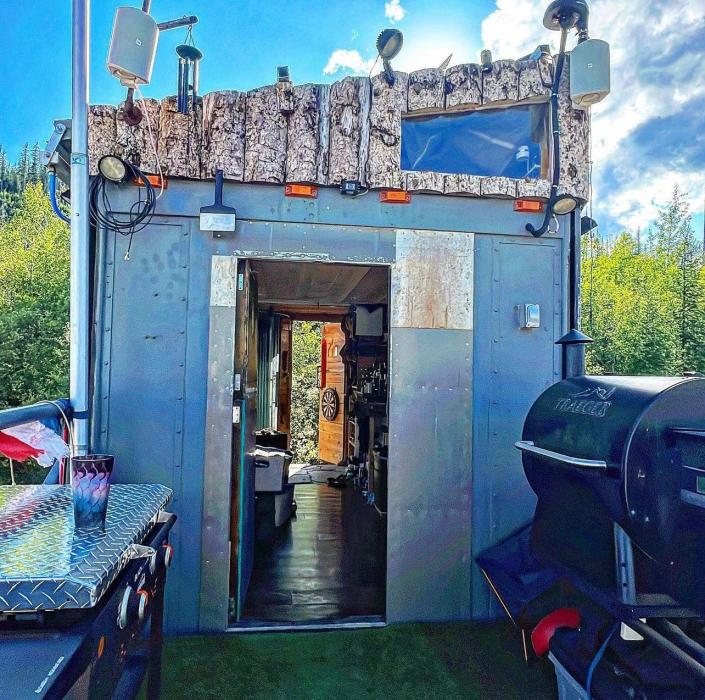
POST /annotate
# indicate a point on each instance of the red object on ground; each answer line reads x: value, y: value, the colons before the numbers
x: 543, y: 632
x: 15, y: 449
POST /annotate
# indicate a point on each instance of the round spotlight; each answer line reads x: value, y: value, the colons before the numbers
x: 564, y: 204
x: 113, y: 168
x: 389, y: 43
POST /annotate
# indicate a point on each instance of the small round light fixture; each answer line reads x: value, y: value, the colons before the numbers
x: 113, y: 168
x: 563, y: 204
x: 389, y: 44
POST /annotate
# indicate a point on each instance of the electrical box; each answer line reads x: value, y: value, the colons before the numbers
x: 133, y: 46
x: 589, y: 73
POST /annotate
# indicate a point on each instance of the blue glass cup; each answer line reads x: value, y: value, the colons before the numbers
x: 90, y: 488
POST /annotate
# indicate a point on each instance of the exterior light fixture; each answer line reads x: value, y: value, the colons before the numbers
x: 389, y: 44
x: 114, y: 168
x: 486, y: 60
x: 587, y: 224
x: 566, y: 14
x: 563, y: 204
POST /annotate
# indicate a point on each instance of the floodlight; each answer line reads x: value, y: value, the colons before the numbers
x: 389, y: 44
x: 563, y: 204
x: 113, y: 168
x: 566, y: 14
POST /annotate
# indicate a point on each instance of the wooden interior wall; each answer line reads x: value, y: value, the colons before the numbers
x: 331, y: 434
x: 348, y: 130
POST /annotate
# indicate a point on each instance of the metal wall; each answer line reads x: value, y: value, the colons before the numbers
x: 151, y: 363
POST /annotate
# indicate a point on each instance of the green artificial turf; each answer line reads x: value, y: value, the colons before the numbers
x: 401, y: 661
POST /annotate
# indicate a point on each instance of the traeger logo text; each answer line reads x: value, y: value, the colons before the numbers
x: 590, y: 402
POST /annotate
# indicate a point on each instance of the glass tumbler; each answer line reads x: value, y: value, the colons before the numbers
x: 90, y: 488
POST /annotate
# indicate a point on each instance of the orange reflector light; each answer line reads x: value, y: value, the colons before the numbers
x: 301, y: 191
x: 528, y: 205
x: 395, y: 197
x: 157, y: 181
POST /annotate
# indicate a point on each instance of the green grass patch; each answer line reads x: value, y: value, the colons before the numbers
x: 446, y: 661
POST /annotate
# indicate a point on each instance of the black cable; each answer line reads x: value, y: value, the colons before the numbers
x: 555, y: 126
x: 139, y: 215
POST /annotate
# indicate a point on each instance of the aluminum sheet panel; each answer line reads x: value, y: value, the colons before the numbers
x: 429, y: 511
x: 46, y: 565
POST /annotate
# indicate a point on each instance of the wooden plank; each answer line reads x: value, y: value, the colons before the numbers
x: 349, y: 129
x: 331, y: 434
x: 462, y: 184
x: 180, y: 139
x: 575, y: 141
x: 500, y: 187
x: 307, y: 137
x: 535, y: 79
x: 500, y: 85
x: 463, y: 86
x: 224, y: 134
x: 133, y: 143
x: 102, y: 134
x: 386, y: 109
x: 426, y: 90
x: 265, y: 137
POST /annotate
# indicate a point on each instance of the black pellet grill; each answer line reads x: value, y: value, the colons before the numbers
x: 618, y: 466
x: 628, y: 452
x: 81, y: 612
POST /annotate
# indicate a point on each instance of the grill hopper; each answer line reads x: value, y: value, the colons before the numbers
x: 625, y: 450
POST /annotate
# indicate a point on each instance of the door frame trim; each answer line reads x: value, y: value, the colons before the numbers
x: 215, y: 532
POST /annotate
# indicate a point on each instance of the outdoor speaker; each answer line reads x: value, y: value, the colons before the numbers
x: 133, y: 46
x: 589, y: 73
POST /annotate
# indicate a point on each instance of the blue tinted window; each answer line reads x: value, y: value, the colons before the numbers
x: 495, y: 142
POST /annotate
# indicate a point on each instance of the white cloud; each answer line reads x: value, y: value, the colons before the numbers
x: 657, y: 48
x: 394, y: 11
x: 349, y: 61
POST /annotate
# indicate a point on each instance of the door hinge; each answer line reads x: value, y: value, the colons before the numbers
x: 238, y: 382
x: 236, y: 415
x: 240, y: 282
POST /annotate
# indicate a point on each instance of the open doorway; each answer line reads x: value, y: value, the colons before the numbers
x: 315, y: 537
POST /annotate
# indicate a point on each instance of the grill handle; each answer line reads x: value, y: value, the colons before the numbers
x: 528, y: 446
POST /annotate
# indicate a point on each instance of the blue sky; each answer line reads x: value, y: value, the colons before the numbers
x: 647, y: 135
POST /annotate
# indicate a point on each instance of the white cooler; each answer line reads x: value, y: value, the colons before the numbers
x: 271, y: 469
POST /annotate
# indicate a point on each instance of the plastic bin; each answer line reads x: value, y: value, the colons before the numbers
x: 271, y: 469
x: 568, y: 687
x: 284, y: 505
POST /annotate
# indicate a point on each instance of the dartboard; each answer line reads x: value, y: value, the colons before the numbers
x: 329, y: 403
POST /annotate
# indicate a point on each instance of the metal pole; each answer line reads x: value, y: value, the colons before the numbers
x: 80, y: 225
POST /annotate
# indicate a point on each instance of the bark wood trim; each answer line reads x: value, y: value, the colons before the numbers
x: 426, y: 90
x: 501, y: 187
x: 535, y: 79
x: 575, y: 141
x: 307, y: 145
x: 424, y: 182
x: 500, y: 85
x: 388, y: 105
x: 463, y: 86
x: 102, y: 135
x: 180, y: 139
x: 224, y: 134
x: 265, y: 137
x: 132, y: 142
x: 348, y: 130
x: 349, y: 109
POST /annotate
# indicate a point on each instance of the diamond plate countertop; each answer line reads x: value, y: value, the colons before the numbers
x: 46, y: 565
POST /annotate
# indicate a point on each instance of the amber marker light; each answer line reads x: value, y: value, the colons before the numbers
x: 395, y: 197
x: 308, y: 191
x: 158, y: 182
x: 528, y: 205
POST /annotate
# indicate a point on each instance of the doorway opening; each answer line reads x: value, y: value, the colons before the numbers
x: 310, y: 489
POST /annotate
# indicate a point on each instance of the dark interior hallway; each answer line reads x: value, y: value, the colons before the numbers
x: 327, y: 564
